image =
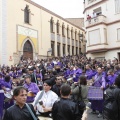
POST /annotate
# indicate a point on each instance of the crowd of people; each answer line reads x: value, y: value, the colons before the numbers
x: 55, y: 87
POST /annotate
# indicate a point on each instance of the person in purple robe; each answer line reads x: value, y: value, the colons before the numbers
x: 32, y: 88
x: 1, y: 101
x: 89, y: 72
x: 19, y: 72
x: 72, y: 71
x: 99, y: 81
x: 49, y: 68
x: 77, y: 74
x: 111, y: 77
x: 67, y: 73
x: 6, y: 85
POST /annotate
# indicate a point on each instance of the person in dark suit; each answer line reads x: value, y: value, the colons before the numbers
x: 65, y: 109
x: 19, y: 110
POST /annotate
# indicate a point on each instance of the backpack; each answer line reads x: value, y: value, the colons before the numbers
x: 111, y: 106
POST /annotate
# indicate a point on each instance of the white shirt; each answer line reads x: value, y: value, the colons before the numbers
x: 48, y: 99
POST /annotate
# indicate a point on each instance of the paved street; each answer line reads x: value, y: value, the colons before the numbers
x: 93, y: 116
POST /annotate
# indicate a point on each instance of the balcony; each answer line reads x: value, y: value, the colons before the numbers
x: 52, y: 37
x: 63, y: 40
x: 68, y: 41
x: 58, y: 38
x: 96, y: 20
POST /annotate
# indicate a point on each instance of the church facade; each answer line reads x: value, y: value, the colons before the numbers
x: 32, y: 31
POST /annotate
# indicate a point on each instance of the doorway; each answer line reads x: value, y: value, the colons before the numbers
x: 28, y: 50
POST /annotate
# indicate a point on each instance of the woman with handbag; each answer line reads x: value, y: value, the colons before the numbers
x: 79, y: 93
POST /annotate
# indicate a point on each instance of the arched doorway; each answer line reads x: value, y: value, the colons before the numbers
x: 28, y: 50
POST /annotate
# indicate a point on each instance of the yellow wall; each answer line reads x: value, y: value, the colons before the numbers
x: 21, y: 39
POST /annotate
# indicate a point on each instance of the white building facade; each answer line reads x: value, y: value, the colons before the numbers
x: 31, y: 30
x: 103, y: 28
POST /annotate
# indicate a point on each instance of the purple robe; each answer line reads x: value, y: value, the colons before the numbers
x: 33, y: 88
x: 98, y: 104
x: 111, y: 79
x: 19, y: 73
x: 6, y: 84
x: 1, y: 101
x: 89, y: 74
x: 117, y: 72
x: 67, y: 73
x: 60, y: 64
x: 39, y: 75
x: 77, y: 73
x: 9, y: 86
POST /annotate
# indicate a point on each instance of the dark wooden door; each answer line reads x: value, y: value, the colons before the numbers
x: 27, y: 50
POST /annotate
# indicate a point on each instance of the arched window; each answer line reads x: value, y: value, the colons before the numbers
x: 27, y: 14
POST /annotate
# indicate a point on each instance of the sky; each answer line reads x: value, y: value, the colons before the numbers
x: 64, y: 8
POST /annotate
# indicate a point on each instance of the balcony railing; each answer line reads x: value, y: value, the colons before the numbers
x: 63, y: 40
x: 52, y: 36
x: 58, y: 38
x: 96, y: 20
x: 68, y: 41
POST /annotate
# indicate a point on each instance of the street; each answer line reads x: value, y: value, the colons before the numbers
x: 93, y: 116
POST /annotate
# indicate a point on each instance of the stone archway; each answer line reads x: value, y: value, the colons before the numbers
x: 27, y: 50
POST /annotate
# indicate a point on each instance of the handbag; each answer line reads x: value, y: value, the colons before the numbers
x: 81, y: 103
x: 31, y: 112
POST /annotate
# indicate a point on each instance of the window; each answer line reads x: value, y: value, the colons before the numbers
x: 117, y: 6
x: 76, y: 51
x: 79, y: 44
x: 97, y: 12
x: 58, y: 27
x: 53, y: 46
x: 118, y: 34
x: 63, y: 29
x: 63, y: 49
x: 68, y: 33
x: 75, y: 35
x: 51, y: 25
x: 27, y: 14
x: 72, y: 50
x: 68, y: 50
x: 58, y: 49
x: 72, y: 33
